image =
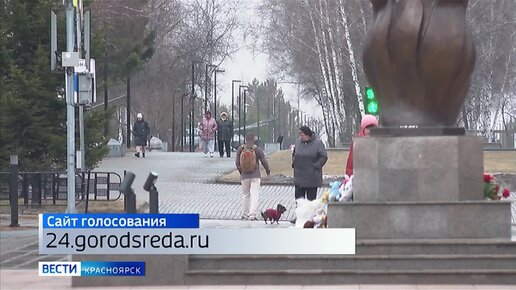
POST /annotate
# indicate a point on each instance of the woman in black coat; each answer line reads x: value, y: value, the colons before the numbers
x: 141, y: 132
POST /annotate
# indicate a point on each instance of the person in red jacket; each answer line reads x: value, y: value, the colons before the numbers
x: 368, y: 121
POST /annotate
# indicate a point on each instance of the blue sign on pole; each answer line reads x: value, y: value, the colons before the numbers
x: 76, y: 87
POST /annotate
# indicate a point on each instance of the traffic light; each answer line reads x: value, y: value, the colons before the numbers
x: 370, y: 102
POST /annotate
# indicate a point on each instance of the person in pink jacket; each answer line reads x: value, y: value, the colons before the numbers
x: 208, y: 127
x: 368, y: 122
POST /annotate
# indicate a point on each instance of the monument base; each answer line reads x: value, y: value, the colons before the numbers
x: 411, y: 261
x: 423, y: 220
x: 431, y: 168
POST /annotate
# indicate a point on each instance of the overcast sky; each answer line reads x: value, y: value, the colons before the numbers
x: 248, y: 64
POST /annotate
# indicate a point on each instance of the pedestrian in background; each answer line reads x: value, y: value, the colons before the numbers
x: 308, y: 158
x: 368, y: 122
x: 208, y: 127
x: 248, y: 159
x: 225, y: 132
x: 141, y: 132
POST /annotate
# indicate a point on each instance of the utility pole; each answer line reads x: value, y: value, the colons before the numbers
x: 78, y: 25
x: 80, y: 76
x: 70, y: 113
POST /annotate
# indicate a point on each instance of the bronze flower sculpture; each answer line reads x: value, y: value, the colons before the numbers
x: 419, y: 56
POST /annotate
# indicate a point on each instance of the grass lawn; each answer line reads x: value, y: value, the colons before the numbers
x: 281, y: 162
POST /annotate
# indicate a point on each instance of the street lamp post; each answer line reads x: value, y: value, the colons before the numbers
x: 257, y: 116
x: 233, y: 107
x: 240, y: 112
x: 106, y: 128
x: 128, y: 112
x: 192, y: 102
x: 174, y: 119
x: 215, y: 100
x: 183, y: 135
x: 206, y: 87
x: 173, y: 122
x: 106, y: 65
x: 245, y: 111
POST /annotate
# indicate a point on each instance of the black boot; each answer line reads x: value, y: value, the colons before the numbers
x: 143, y: 154
x: 137, y: 154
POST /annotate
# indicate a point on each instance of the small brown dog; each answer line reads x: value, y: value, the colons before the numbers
x: 273, y: 214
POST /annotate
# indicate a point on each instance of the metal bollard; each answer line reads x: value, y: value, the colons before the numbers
x: 153, y: 192
x: 131, y: 202
x: 153, y: 200
x: 129, y: 196
x: 13, y: 191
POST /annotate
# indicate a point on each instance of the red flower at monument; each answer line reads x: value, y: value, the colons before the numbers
x: 492, y: 188
x: 506, y: 192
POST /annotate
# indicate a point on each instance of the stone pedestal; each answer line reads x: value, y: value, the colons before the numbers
x: 420, y: 187
x: 436, y: 168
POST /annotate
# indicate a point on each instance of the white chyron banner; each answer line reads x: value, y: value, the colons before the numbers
x: 284, y: 241
x: 180, y: 234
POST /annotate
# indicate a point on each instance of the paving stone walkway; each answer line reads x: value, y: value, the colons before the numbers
x: 186, y: 184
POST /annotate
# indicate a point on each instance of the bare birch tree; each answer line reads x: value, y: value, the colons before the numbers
x: 492, y: 97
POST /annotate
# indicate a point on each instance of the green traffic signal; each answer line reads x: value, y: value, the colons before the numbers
x: 369, y: 93
x: 370, y: 102
x: 372, y: 107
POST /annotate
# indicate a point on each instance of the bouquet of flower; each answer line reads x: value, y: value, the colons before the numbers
x: 492, y: 188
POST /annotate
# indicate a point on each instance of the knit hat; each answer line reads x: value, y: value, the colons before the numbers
x: 367, y: 120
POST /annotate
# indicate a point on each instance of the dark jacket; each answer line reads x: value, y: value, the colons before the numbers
x: 308, y: 159
x: 141, y: 131
x: 225, y: 130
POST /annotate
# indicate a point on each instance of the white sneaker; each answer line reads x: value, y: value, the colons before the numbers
x: 205, y: 154
x: 211, y: 154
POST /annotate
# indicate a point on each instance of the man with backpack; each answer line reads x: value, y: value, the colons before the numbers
x: 248, y: 159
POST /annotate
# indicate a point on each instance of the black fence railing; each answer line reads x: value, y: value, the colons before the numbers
x: 50, y: 188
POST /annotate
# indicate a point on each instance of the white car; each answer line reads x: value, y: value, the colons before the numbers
x: 155, y: 143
